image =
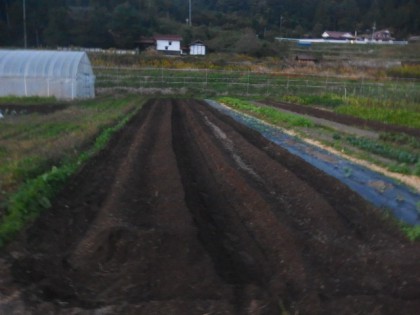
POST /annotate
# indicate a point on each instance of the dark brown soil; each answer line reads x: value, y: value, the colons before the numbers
x: 189, y: 212
x: 345, y: 119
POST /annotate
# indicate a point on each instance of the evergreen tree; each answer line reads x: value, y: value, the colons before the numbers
x: 90, y: 22
x: 125, y: 25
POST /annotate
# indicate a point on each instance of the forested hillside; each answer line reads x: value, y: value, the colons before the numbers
x: 234, y: 25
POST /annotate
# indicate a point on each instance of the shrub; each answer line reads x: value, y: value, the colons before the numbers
x: 402, y: 117
x: 405, y: 71
x: 383, y: 150
x: 326, y: 100
x: 33, y: 179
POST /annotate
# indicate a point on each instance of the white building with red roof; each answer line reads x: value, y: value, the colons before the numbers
x: 168, y: 44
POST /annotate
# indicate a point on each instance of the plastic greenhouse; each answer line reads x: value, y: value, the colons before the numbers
x: 63, y: 74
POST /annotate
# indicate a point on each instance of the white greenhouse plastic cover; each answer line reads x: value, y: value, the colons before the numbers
x: 63, y: 74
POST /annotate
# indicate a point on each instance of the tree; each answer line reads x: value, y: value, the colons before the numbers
x: 324, y: 14
x: 58, y: 29
x: 90, y: 22
x: 233, y: 5
x: 348, y: 14
x: 125, y: 26
x: 91, y: 29
x: 318, y: 30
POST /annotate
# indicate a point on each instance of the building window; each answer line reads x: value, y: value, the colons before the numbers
x: 170, y: 43
x: 166, y: 47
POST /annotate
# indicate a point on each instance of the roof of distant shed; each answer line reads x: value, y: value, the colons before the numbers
x: 197, y: 42
x: 146, y: 40
x: 43, y: 63
x: 168, y: 37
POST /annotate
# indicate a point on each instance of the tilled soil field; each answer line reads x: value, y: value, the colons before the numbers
x: 189, y: 212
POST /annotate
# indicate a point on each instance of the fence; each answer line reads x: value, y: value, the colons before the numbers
x: 111, y: 51
x: 206, y: 81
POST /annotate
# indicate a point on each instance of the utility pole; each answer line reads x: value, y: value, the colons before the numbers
x: 373, y: 29
x: 189, y: 14
x: 281, y: 22
x: 25, y: 39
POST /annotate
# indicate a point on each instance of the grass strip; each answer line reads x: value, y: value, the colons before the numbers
x: 35, y: 195
x: 394, y: 116
x: 27, y: 100
x: 405, y: 71
x: 402, y: 112
x: 326, y: 100
x: 266, y: 113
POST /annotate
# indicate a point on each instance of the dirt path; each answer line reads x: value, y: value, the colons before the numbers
x: 188, y: 212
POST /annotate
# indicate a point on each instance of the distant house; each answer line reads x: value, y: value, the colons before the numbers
x: 379, y: 36
x: 383, y: 35
x: 337, y: 35
x: 168, y: 44
x: 414, y: 39
x: 146, y: 43
x: 197, y: 48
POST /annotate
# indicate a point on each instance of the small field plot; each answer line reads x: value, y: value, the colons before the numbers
x: 187, y: 211
x: 39, y: 136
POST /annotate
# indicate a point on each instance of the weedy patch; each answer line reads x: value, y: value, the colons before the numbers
x: 29, y: 100
x: 405, y: 71
x: 412, y: 232
x: 398, y: 155
x: 403, y: 114
x: 28, y: 179
x: 267, y: 113
x: 325, y: 100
